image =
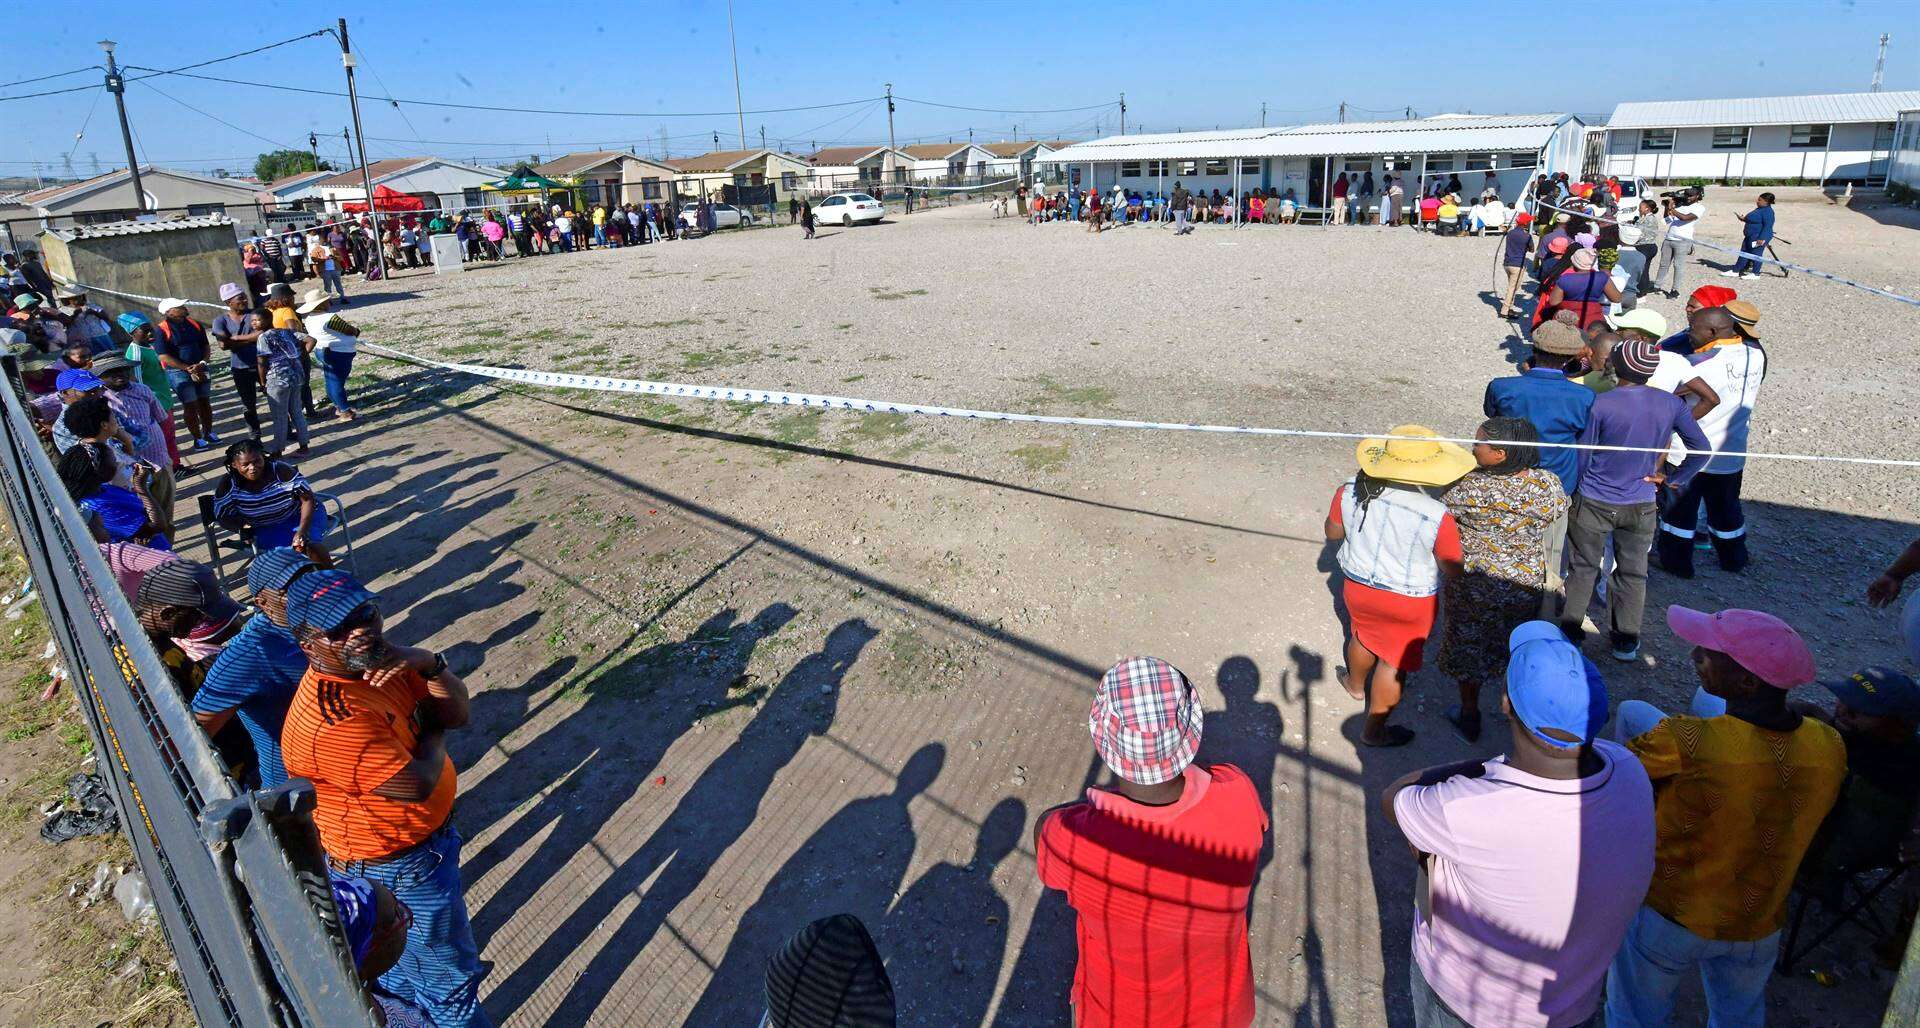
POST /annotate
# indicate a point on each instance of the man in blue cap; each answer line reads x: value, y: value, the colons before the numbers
x: 368, y: 727
x: 257, y: 674
x: 1534, y: 862
x: 1876, y: 820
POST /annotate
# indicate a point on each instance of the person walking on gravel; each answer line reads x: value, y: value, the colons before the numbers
x: 1181, y: 201
x: 806, y: 218
x: 1159, y: 865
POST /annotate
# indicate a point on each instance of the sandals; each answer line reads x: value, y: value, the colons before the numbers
x: 1467, y: 723
x: 1340, y: 675
x: 1397, y: 735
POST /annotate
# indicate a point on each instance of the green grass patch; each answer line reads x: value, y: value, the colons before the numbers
x: 676, y: 323
x: 851, y: 379
x: 879, y: 427
x: 1053, y: 395
x: 798, y: 429
x: 1039, y: 457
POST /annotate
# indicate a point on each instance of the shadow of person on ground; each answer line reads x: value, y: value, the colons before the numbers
x: 1316, y: 1011
x: 852, y: 864
x: 716, y: 811
x: 1040, y: 989
x: 589, y: 766
x: 496, y: 712
x: 1247, y: 735
x: 946, y: 937
x: 1393, y: 868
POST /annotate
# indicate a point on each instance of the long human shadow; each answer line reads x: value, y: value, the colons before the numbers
x: 495, y: 712
x: 1316, y: 1010
x: 588, y: 770
x: 852, y: 864
x: 1039, y: 991
x: 761, y: 442
x: 1246, y: 734
x: 947, y: 934
x: 1393, y: 869
x: 717, y: 810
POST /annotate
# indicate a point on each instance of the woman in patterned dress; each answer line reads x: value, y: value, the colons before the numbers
x: 1503, y: 508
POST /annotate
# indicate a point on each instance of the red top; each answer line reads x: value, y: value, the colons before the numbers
x: 1162, y: 897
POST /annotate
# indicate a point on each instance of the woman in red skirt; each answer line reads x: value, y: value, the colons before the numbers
x: 1396, y: 542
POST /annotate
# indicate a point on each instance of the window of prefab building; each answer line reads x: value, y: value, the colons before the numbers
x: 1524, y: 160
x: 1656, y: 139
x: 1129, y: 169
x: 1805, y: 136
x: 1189, y: 167
x: 1156, y: 168
x: 1249, y: 165
x: 1479, y: 162
x: 1357, y: 164
x: 1440, y: 163
x: 1216, y: 167
x: 1398, y: 162
x: 200, y: 210
x: 1730, y: 137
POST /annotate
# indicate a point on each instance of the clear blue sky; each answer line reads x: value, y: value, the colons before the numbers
x: 652, y: 58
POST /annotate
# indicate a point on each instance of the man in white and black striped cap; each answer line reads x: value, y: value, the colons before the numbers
x: 1159, y: 865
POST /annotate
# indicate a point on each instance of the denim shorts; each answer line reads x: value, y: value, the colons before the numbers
x: 185, y: 387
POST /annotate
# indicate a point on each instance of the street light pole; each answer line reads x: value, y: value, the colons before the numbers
x: 313, y: 146
x: 117, y: 85
x: 739, y: 106
x: 360, y: 137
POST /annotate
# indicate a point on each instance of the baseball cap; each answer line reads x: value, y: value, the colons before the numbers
x: 25, y: 301
x: 1639, y: 356
x: 1559, y: 339
x: 1523, y: 218
x: 186, y: 583
x: 1146, y: 720
x: 1756, y: 640
x: 1551, y: 684
x: 78, y: 378
x: 325, y: 599
x: 1646, y: 320
x: 229, y: 290
x: 273, y: 569
x: 170, y: 303
x: 109, y: 361
x: 1877, y: 692
x: 132, y: 320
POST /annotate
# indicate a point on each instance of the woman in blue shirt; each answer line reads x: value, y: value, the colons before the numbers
x: 122, y: 515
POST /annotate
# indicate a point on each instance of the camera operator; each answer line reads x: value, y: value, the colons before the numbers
x: 1682, y: 211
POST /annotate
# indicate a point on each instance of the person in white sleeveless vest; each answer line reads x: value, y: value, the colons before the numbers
x: 1396, y: 542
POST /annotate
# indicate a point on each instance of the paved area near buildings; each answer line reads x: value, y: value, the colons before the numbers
x: 738, y: 668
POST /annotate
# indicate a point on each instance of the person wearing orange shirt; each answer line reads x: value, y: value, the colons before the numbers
x: 368, y: 727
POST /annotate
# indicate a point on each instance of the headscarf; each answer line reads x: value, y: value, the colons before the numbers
x: 1713, y: 296
x: 1518, y: 432
x: 1583, y: 259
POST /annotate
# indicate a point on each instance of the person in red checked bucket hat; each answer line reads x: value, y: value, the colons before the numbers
x: 1158, y: 865
x: 1740, y: 785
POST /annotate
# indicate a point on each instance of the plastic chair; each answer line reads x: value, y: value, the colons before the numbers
x: 244, y: 541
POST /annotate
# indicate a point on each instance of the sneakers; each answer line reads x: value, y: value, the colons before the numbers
x: 1626, y: 656
x: 213, y: 437
x: 1750, y: 274
x: 201, y: 444
x: 1729, y: 274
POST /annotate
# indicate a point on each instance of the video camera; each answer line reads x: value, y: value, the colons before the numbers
x: 1685, y: 194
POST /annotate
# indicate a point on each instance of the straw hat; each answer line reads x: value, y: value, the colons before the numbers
x: 1746, y: 317
x: 313, y: 300
x: 1413, y: 455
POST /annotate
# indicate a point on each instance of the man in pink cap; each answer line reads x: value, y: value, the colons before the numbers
x: 1159, y: 866
x: 1741, y: 785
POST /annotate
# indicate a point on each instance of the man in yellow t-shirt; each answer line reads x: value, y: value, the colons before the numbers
x: 1740, y: 787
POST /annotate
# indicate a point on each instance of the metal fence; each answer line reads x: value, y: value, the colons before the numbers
x: 237, y: 877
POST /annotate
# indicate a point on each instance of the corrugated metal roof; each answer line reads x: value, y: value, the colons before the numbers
x: 1815, y: 109
x: 135, y: 228
x: 1442, y: 134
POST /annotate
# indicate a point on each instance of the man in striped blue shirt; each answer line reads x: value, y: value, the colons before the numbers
x: 255, y: 677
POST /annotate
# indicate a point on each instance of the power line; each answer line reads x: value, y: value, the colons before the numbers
x: 53, y: 92
x: 245, y: 132
x: 1006, y: 110
x: 513, y: 110
x: 43, y: 78
x: 229, y: 57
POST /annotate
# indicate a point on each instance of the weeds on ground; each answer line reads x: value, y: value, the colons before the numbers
x: 1039, y: 457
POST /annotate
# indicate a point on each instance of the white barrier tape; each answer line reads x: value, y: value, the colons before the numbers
x: 957, y: 189
x: 151, y: 301
x: 1815, y: 272
x: 817, y: 401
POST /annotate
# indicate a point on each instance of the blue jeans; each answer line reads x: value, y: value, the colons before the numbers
x: 440, y: 970
x: 566, y: 241
x: 334, y: 367
x: 330, y: 279
x: 1750, y: 249
x: 1657, y: 953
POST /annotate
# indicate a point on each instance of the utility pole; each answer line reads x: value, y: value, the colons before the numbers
x: 1343, y: 112
x: 763, y: 137
x: 1263, y: 114
x: 969, y: 137
x: 117, y: 85
x: 1123, y: 114
x: 892, y: 157
x: 716, y: 139
x: 313, y: 147
x: 663, y: 143
x: 1879, y: 65
x: 366, y: 175
x: 1409, y: 112
x: 739, y: 106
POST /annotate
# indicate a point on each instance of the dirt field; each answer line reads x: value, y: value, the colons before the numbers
x: 739, y: 668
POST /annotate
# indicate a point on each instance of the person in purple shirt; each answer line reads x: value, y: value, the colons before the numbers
x: 1615, y: 498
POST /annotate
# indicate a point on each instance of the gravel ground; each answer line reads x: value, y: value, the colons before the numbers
x: 743, y: 667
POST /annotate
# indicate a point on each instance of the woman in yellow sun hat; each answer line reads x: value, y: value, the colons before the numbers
x: 1396, y: 542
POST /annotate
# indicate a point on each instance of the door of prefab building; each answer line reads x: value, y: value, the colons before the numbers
x: 1316, y: 181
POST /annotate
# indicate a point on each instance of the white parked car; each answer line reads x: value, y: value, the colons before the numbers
x: 848, y: 209
x: 725, y: 215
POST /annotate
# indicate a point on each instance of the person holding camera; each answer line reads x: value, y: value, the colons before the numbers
x: 1755, y: 234
x: 1682, y: 211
